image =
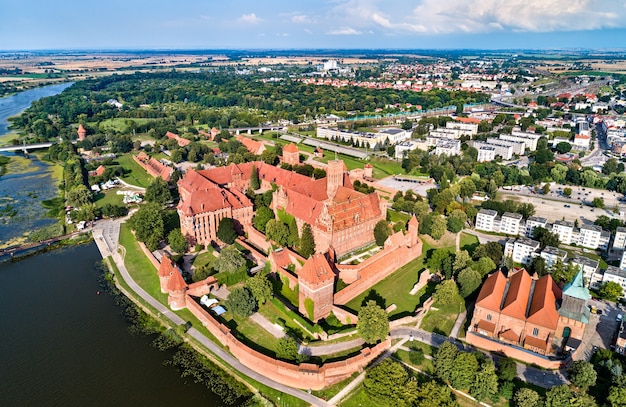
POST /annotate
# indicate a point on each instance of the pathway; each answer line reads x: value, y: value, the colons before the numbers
x: 458, y: 242
x: 212, y: 347
x: 266, y: 324
x: 126, y: 184
x: 484, y: 237
x: 331, y: 348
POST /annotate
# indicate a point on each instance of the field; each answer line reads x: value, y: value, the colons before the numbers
x: 137, y: 175
x: 119, y: 124
x: 108, y: 197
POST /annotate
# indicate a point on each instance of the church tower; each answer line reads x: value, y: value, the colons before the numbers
x: 334, y: 177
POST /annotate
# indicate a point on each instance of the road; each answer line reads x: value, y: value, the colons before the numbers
x: 212, y: 347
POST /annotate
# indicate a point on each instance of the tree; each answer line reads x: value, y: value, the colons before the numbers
x: 463, y: 371
x: 307, y: 242
x: 558, y: 396
x: 294, y: 237
x: 563, y: 147
x: 545, y: 237
x: 261, y: 217
x: 610, y: 166
x: 456, y: 221
x: 434, y: 394
x: 158, y: 192
x: 526, y: 397
x: 230, y: 260
x: 277, y: 231
x: 443, y: 362
x: 287, y: 348
x: 148, y: 225
x: 597, y: 202
x: 545, y: 189
x: 484, y: 266
x: 177, y: 241
x: 438, y: 227
x: 446, y: 292
x: 526, y: 210
x: 226, y: 231
x: 390, y: 384
x: 260, y: 287
x: 241, y: 302
x: 582, y: 374
x: 485, y: 384
x: 507, y: 369
x: 617, y: 396
x: 373, y: 324
x: 493, y: 250
x: 538, y: 265
x: 461, y: 260
x: 381, y: 232
x: 255, y: 183
x: 435, y: 261
x: 567, y: 191
x: 469, y: 280
x: 78, y: 196
x: 611, y: 291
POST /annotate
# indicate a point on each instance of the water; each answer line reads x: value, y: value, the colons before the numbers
x: 61, y: 344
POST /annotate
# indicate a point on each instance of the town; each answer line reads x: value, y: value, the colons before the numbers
x: 352, y: 228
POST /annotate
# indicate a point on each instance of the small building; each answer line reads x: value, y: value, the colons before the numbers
x: 552, y: 255
x: 524, y: 250
x: 486, y: 154
x: 485, y: 220
x: 535, y: 222
x: 82, y: 132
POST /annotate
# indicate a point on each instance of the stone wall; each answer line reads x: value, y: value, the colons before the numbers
x: 304, y: 376
x: 258, y: 239
x: 346, y: 317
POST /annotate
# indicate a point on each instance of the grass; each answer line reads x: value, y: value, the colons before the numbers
x: 108, y: 197
x: 251, y: 333
x: 396, y: 216
x: 203, y: 259
x: 426, y: 366
x: 442, y: 319
x: 281, y: 317
x: 136, y: 175
x: 468, y: 242
x: 330, y: 391
x: 395, y: 288
x: 119, y: 124
x: 357, y: 399
x: 7, y: 138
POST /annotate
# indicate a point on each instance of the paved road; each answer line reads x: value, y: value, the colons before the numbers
x: 219, y: 352
x: 331, y: 348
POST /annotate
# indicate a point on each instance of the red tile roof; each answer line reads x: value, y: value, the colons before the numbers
x: 486, y: 326
x: 510, y: 335
x: 253, y: 146
x: 166, y: 267
x: 291, y: 148
x: 176, y: 282
x: 211, y: 199
x: 543, y: 310
x: 100, y: 170
x: 517, y: 296
x: 536, y: 342
x: 316, y: 271
x: 490, y: 296
x: 181, y: 141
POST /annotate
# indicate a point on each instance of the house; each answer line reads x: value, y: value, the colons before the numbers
x: 448, y: 148
x: 485, y: 220
x: 506, y: 152
x: 82, y: 132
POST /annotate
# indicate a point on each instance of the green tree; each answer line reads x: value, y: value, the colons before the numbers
x: 464, y: 371
x: 526, y: 397
x: 617, y: 396
x: 381, y: 232
x: 558, y: 396
x: 177, y: 241
x: 434, y: 394
x: 507, y: 369
x: 611, y: 291
x: 261, y: 217
x: 277, y: 231
x: 407, y: 124
x: 469, y: 280
x: 287, y: 348
x: 545, y: 189
x: 597, y: 202
x: 438, y: 227
x: 493, y: 250
x: 158, y: 192
x: 390, y: 384
x: 307, y: 242
x: 582, y: 374
x: 148, y: 225
x: 456, y: 221
x: 230, y: 260
x: 567, y: 191
x: 255, y: 183
x: 443, y: 362
x: 260, y: 287
x: 435, y: 261
x: 484, y: 266
x: 538, y: 265
x: 462, y: 259
x: 485, y: 384
x: 446, y: 292
x: 545, y: 237
x: 241, y: 302
x: 563, y: 147
x: 226, y: 231
x: 78, y: 196
x: 373, y: 323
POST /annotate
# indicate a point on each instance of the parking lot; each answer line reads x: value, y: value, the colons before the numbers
x: 417, y: 187
x: 601, y: 328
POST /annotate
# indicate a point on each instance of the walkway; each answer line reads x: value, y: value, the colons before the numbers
x: 266, y: 324
x: 331, y: 348
x: 484, y: 237
x: 212, y: 347
x: 126, y: 184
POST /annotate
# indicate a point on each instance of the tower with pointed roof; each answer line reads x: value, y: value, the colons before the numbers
x: 316, y: 281
x: 82, y: 133
x: 291, y: 154
x: 573, y: 312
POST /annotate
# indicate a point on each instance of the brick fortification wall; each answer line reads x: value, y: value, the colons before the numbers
x: 304, y: 376
x: 363, y: 276
x: 258, y: 239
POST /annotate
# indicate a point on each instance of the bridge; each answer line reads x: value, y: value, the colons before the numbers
x: 259, y: 129
x: 25, y: 147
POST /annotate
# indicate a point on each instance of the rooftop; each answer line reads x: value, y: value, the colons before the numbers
x: 487, y: 212
x: 537, y: 219
x: 585, y: 262
x: 615, y: 271
x: 512, y: 215
x: 527, y: 242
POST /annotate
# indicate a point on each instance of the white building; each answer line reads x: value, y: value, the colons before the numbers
x: 565, y: 230
x: 506, y: 152
x: 510, y: 223
x: 534, y: 222
x: 486, y: 154
x: 446, y: 133
x: 529, y: 139
x: 485, y: 220
x: 619, y: 243
x: 524, y: 250
x: 448, y: 147
x: 622, y: 264
x: 552, y: 255
x: 519, y: 147
x: 588, y: 267
x: 615, y: 275
x: 590, y: 236
x: 465, y: 128
x: 395, y: 135
x: 405, y: 147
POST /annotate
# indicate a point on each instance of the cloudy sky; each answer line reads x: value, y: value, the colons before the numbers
x: 237, y: 24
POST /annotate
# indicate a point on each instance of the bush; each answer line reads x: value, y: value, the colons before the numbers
x: 416, y: 357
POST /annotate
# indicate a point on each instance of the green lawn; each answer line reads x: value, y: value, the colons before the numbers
x: 137, y: 175
x: 250, y: 333
x: 119, y: 124
x: 425, y: 366
x: 395, y: 288
x: 396, y: 216
x: 468, y: 242
x: 284, y: 318
x: 441, y: 318
x: 108, y: 197
x: 206, y: 258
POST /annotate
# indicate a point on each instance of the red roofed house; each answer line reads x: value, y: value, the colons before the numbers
x: 523, y: 311
x: 98, y: 171
x: 252, y: 146
x: 82, y: 133
x: 181, y: 141
x: 291, y: 154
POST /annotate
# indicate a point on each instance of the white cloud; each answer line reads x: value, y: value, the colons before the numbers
x: 250, y: 18
x: 306, y: 30
x: 301, y: 19
x: 344, y: 31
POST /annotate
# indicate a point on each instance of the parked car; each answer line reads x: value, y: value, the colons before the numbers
x: 619, y: 318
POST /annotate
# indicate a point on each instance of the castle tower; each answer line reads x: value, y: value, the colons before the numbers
x: 165, y: 272
x: 291, y: 154
x: 367, y: 170
x: 413, y: 231
x: 334, y: 177
x: 82, y: 133
x: 177, y: 288
x: 573, y: 312
x: 316, y: 280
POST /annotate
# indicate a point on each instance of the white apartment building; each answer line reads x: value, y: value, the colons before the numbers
x: 524, y: 250
x: 622, y: 263
x: 534, y: 222
x: 552, y: 255
x: 465, y: 128
x: 589, y: 268
x: 593, y: 237
x: 565, y: 230
x: 485, y: 220
x: 369, y: 140
x: 395, y: 135
x: 446, y: 133
x: 619, y: 243
x: 510, y: 223
x: 486, y: 154
x: 448, y: 147
x: 529, y: 139
x: 616, y: 275
x: 506, y: 152
x: 519, y: 148
x: 405, y: 147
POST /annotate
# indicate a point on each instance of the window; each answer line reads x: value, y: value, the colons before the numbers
x: 488, y: 317
x: 535, y: 331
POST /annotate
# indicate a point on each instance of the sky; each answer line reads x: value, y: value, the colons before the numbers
x: 306, y: 24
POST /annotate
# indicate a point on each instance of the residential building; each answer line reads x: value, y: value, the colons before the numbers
x: 529, y: 139
x: 592, y: 237
x: 524, y: 250
x: 395, y: 135
x: 403, y: 148
x: 510, y: 223
x: 486, y: 154
x: 622, y: 264
x: 616, y: 275
x: 466, y: 128
x: 181, y: 141
x: 448, y: 147
x: 485, y: 220
x: 535, y: 222
x: 518, y: 147
x: 565, y: 230
x: 506, y: 152
x: 619, y: 243
x: 589, y: 268
x: 552, y: 255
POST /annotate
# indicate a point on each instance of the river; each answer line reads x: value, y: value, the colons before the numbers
x: 62, y: 344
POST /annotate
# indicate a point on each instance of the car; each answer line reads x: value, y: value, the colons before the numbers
x: 599, y: 312
x: 593, y: 210
x: 619, y: 318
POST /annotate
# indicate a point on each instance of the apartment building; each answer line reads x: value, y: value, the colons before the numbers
x: 524, y: 250
x: 486, y: 154
x: 529, y: 139
x: 590, y: 268
x: 619, y: 243
x: 535, y: 222
x: 552, y: 255
x: 395, y: 135
x: 616, y: 275
x: 518, y: 147
x: 593, y: 237
x: 486, y: 220
x: 465, y: 128
x: 506, y: 152
x: 565, y: 230
x: 510, y: 223
x: 448, y: 147
x: 403, y: 149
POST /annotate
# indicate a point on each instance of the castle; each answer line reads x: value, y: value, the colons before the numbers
x: 341, y: 218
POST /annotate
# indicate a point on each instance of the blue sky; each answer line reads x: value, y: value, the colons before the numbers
x: 238, y: 24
